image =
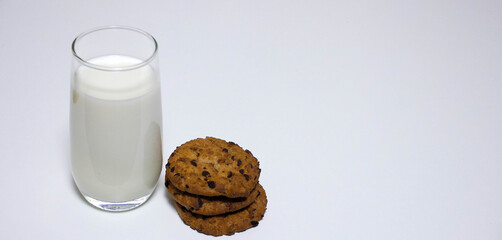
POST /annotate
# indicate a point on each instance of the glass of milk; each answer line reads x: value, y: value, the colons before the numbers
x: 115, y: 117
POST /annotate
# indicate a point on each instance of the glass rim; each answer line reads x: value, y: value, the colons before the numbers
x: 104, y: 68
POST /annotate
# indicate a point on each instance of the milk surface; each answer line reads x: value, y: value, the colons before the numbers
x: 116, y: 128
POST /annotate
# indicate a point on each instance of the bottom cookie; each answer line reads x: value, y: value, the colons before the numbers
x: 226, y: 224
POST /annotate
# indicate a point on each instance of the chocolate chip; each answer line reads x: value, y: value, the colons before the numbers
x: 168, y: 164
x: 172, y: 154
x: 172, y: 169
x: 248, y: 152
x: 254, y: 223
x: 166, y: 183
x: 230, y: 174
x: 206, y: 174
x: 177, y: 175
x: 254, y: 177
x: 241, y: 171
x: 198, y: 154
x: 186, y: 186
x: 247, y: 177
x: 231, y: 143
x: 251, y: 165
x: 183, y: 209
x: 239, y: 162
x: 211, y: 184
x: 225, y: 150
x: 193, y: 162
x: 233, y: 158
x: 199, y: 202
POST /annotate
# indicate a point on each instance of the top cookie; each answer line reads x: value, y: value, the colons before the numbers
x: 213, y: 167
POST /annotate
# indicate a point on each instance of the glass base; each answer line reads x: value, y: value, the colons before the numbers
x: 117, y: 207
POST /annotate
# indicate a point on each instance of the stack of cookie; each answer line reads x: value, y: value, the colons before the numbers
x: 215, y: 186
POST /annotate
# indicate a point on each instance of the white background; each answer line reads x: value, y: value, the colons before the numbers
x: 371, y: 119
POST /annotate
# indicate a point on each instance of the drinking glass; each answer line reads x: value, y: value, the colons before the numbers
x: 115, y: 117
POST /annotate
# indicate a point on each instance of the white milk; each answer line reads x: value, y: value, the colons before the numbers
x: 116, y: 128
